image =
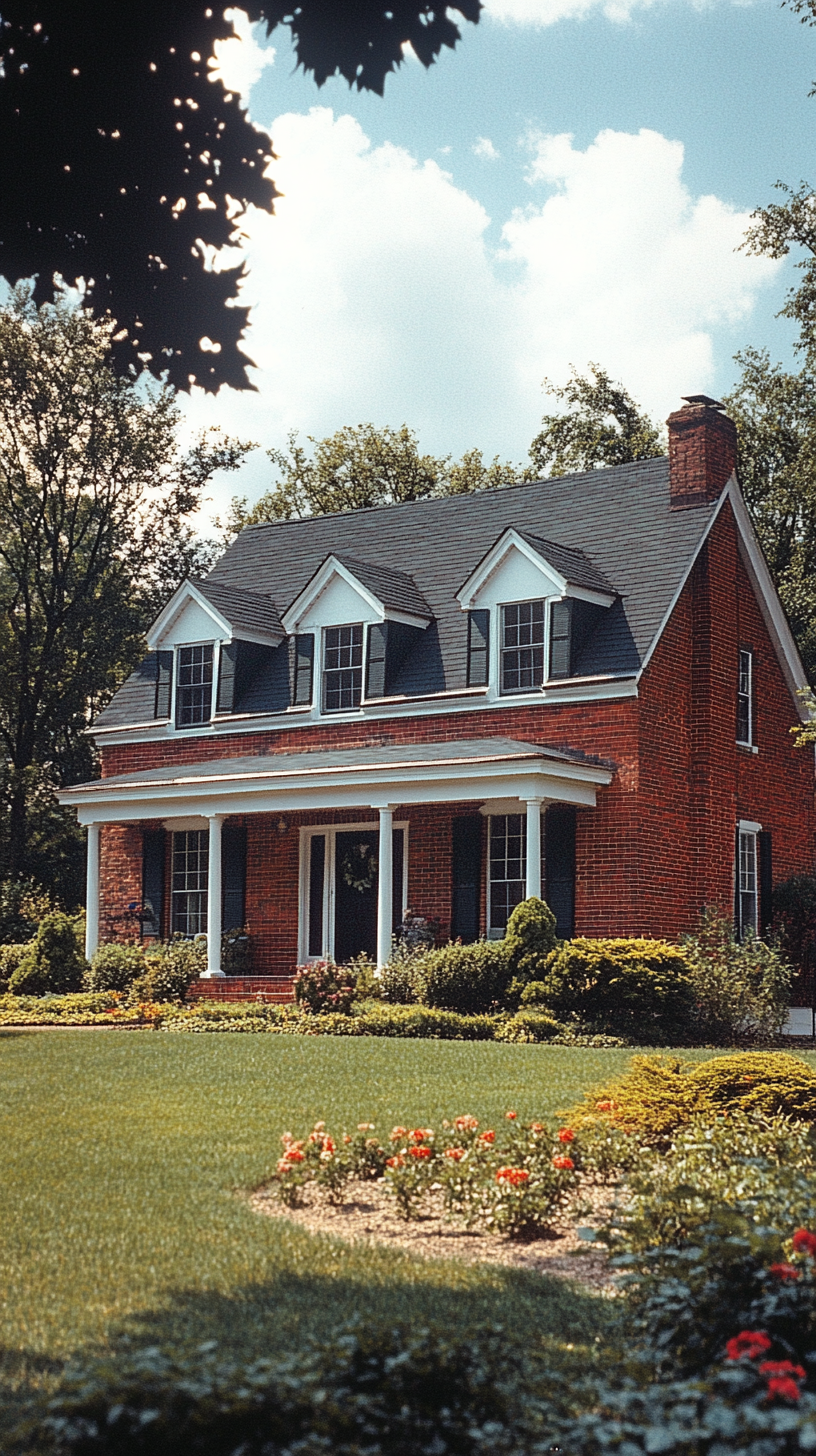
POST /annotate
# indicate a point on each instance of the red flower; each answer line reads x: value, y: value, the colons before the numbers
x: 511, y: 1116
x: 563, y: 1163
x: 488, y: 1137
x: 566, y: 1135
x: 752, y: 1343
x: 783, y: 1271
x: 421, y: 1134
x: 397, y: 1133
x: 804, y: 1242
x: 781, y: 1367
x: 605, y: 1106
x: 466, y: 1123
x: 514, y: 1176
x: 455, y: 1153
x: 294, y: 1155
x: 397, y: 1162
x: 784, y: 1386
x: 420, y: 1152
x: 537, y: 1127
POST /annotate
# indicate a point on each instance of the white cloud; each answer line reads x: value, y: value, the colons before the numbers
x: 484, y: 148
x: 377, y: 296
x: 240, y: 61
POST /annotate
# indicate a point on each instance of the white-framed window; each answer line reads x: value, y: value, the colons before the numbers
x: 191, y: 852
x: 747, y: 878
x: 745, y: 694
x: 319, y: 869
x: 342, y: 667
x: 522, y: 646
x: 194, y: 685
x: 507, y: 870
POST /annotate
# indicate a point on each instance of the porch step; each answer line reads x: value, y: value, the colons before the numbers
x: 275, y: 989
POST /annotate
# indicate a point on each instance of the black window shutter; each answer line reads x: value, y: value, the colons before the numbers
x: 227, y: 664
x: 375, y: 667
x: 478, y: 664
x: 466, y: 877
x: 233, y: 877
x: 559, y: 856
x: 398, y: 874
x: 301, y: 664
x: 765, y: 881
x: 164, y: 684
x: 561, y: 639
x: 737, y: 899
x: 153, y: 842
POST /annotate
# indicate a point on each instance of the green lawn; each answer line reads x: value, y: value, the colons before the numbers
x: 121, y: 1154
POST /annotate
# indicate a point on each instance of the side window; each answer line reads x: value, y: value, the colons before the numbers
x: 342, y: 667
x: 745, y: 697
x: 747, y: 898
x: 190, y: 862
x: 194, y: 685
x: 522, y: 647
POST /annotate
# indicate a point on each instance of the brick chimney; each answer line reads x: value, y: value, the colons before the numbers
x: 702, y: 451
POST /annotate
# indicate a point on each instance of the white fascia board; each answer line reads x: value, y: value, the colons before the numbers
x: 304, y: 601
x: 586, y: 594
x: 508, y: 540
x: 186, y: 593
x: 766, y: 594
x: 769, y: 604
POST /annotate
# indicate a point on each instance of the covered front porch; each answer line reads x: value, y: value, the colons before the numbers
x: 320, y: 853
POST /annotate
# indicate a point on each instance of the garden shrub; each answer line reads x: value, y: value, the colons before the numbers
x: 10, y: 958
x: 236, y: 952
x: 741, y: 989
x: 634, y: 988
x: 530, y: 1026
x: 398, y: 979
x: 794, y: 920
x: 657, y: 1095
x: 469, y: 978
x: 171, y: 968
x: 529, y: 939
x: 23, y: 904
x: 52, y: 962
x: 323, y: 986
x: 534, y: 994
x: 114, y: 968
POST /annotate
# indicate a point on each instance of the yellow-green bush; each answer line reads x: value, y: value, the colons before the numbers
x: 657, y: 1095
x: 637, y: 988
x: 10, y: 958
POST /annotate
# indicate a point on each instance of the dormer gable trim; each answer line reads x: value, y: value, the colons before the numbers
x: 511, y: 539
x: 224, y: 630
x: 332, y: 567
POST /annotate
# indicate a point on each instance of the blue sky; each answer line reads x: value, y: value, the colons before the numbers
x: 571, y: 184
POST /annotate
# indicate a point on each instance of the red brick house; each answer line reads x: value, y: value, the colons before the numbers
x: 582, y: 687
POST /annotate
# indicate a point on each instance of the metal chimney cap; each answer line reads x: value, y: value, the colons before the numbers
x: 703, y: 399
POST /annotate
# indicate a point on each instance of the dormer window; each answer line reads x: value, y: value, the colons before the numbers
x: 342, y: 667
x: 194, y: 685
x: 522, y: 647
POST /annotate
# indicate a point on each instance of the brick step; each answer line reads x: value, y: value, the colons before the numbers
x: 275, y: 989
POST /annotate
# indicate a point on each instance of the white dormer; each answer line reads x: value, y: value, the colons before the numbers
x: 518, y: 567
x: 345, y: 590
x: 210, y: 612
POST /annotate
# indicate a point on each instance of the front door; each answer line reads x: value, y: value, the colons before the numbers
x: 355, y: 894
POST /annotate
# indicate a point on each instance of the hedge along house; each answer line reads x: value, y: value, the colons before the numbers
x: 582, y: 687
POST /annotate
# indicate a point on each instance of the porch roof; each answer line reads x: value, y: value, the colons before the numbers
x: 406, y: 773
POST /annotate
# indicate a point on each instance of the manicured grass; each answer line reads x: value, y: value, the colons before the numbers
x: 121, y: 1154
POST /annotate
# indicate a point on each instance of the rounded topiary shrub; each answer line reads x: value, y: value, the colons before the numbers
x: 114, y: 968
x: 529, y: 938
x: 635, y: 988
x: 464, y: 977
x: 52, y: 963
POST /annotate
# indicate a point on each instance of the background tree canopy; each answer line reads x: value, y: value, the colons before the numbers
x: 122, y: 163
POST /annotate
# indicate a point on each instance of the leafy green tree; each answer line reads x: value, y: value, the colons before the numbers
x: 123, y: 163
x: 360, y: 466
x: 602, y: 426
x: 95, y: 499
x: 775, y: 231
x: 775, y: 415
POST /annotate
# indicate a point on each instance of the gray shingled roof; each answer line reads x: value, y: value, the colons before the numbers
x: 249, y: 610
x: 615, y: 523
x: 393, y: 588
x: 574, y: 566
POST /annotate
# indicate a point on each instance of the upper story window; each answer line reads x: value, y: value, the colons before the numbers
x: 745, y: 694
x: 194, y: 685
x: 522, y: 647
x: 342, y: 667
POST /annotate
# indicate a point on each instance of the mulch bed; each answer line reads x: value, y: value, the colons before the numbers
x: 368, y: 1215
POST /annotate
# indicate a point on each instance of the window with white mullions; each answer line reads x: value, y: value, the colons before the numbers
x: 522, y: 647
x: 342, y: 667
x: 747, y: 892
x: 745, y: 688
x: 190, y: 865
x: 508, y: 868
x: 194, y: 685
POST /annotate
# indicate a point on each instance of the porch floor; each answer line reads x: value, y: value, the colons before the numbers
x: 275, y: 989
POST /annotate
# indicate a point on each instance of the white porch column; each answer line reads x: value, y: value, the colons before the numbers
x: 214, y: 971
x: 92, y: 892
x: 534, y: 848
x: 385, y: 887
